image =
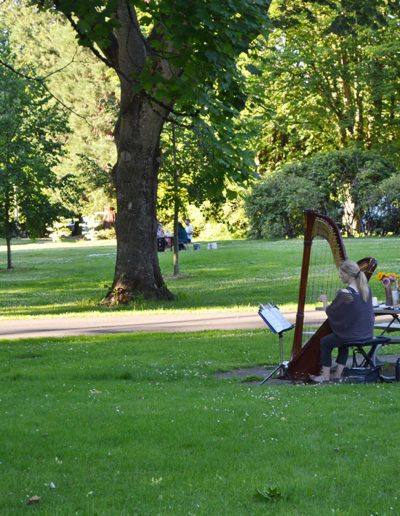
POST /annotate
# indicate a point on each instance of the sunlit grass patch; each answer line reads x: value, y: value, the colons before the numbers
x: 72, y: 277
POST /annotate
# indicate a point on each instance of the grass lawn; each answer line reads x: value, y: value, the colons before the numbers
x: 140, y: 424
x: 70, y: 278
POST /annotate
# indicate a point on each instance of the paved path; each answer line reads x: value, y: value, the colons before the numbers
x: 196, y: 321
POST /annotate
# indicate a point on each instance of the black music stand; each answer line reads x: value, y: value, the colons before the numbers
x: 277, y: 323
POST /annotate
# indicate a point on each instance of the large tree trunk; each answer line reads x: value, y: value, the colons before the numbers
x: 137, y: 136
x: 137, y: 269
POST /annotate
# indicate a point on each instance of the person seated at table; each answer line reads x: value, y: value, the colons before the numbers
x: 169, y: 239
x: 182, y: 237
x: 351, y: 318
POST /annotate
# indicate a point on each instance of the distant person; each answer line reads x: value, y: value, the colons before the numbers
x: 182, y: 237
x: 109, y: 217
x: 189, y: 230
x: 160, y: 238
x: 160, y: 230
x: 77, y: 229
x: 169, y: 239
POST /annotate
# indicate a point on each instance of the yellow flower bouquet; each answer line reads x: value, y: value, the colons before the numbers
x: 388, y: 278
x: 390, y: 281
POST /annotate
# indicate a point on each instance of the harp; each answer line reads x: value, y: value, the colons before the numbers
x: 322, y: 239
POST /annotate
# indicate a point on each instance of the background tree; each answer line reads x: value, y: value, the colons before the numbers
x: 331, y: 72
x: 190, y: 174
x: 201, y: 162
x: 31, y: 129
x: 203, y: 158
x: 275, y: 206
x: 167, y: 55
x: 46, y: 41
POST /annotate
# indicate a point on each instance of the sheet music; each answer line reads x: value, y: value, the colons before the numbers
x: 271, y: 314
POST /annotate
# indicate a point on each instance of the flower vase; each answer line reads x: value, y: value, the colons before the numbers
x: 389, y: 297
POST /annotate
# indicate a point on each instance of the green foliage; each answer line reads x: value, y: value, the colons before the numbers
x: 199, y: 171
x: 383, y: 200
x: 219, y: 32
x: 324, y: 182
x: 212, y: 161
x: 46, y: 41
x: 31, y: 143
x: 275, y: 205
x: 202, y: 39
x: 234, y: 215
x: 186, y: 172
x: 330, y: 72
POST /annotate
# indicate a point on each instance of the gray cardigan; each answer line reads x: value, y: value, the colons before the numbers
x: 350, y: 317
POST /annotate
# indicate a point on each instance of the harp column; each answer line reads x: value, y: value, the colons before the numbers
x: 309, y: 217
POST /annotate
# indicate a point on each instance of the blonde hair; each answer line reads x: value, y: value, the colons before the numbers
x: 352, y: 269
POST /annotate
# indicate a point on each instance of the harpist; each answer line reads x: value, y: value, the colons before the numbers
x: 351, y: 318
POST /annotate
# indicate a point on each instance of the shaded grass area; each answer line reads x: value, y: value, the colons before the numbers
x: 71, y: 278
x: 139, y: 424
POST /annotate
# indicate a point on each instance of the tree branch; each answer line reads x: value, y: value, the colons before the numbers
x: 122, y: 74
x: 62, y: 68
x: 41, y: 82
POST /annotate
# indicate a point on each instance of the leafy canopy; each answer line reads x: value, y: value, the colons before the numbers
x: 31, y: 142
x: 186, y: 58
x: 201, y: 38
x: 331, y: 76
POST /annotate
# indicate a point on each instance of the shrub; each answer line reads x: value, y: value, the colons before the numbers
x: 275, y: 206
x: 336, y: 183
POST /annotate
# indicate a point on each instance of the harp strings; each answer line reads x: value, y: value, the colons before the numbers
x: 322, y: 279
